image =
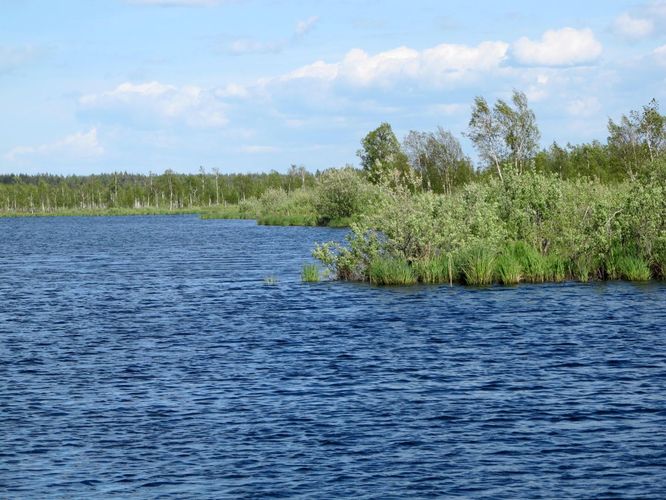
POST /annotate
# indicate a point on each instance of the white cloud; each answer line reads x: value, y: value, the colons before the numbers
x: 232, y: 90
x: 584, y: 107
x: 253, y: 46
x: 660, y: 55
x: 306, y: 25
x: 433, y: 67
x: 564, y: 47
x: 78, y: 145
x: 192, y: 105
x: 633, y: 27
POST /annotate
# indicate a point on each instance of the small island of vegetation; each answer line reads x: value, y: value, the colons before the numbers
x: 418, y: 211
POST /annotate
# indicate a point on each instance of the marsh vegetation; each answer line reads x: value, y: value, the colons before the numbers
x: 419, y: 210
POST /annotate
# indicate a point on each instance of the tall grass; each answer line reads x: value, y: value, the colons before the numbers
x: 434, y: 270
x: 556, y: 268
x: 531, y: 261
x: 581, y: 269
x: 633, y: 268
x: 310, y: 273
x: 478, y: 265
x: 385, y: 271
x: 508, y: 269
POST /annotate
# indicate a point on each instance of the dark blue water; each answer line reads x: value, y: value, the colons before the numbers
x: 146, y: 358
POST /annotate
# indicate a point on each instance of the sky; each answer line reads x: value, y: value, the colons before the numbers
x: 92, y: 86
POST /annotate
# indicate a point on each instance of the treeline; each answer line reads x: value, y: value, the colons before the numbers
x: 167, y: 191
x: 592, y: 211
x: 505, y: 135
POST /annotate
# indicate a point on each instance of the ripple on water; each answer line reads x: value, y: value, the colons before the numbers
x: 146, y: 357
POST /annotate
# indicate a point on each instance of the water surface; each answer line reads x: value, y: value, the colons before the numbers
x: 145, y: 357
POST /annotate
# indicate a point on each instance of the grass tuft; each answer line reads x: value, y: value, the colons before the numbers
x: 434, y: 270
x: 633, y: 268
x: 556, y: 268
x: 508, y: 269
x: 270, y: 280
x: 390, y: 271
x: 581, y: 269
x: 478, y: 265
x: 310, y: 273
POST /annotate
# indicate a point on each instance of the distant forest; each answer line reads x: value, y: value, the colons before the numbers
x: 167, y: 191
x: 503, y: 135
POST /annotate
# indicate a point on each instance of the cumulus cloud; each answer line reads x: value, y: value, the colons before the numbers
x: 563, y: 47
x: 79, y: 145
x: 434, y: 66
x: 253, y: 46
x: 189, y: 104
x: 633, y: 27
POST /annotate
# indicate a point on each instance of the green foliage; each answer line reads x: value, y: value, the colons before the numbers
x: 556, y: 268
x: 351, y: 261
x: 638, y: 138
x: 533, y: 264
x: 340, y: 195
x: 508, y: 269
x: 633, y: 268
x: 390, y: 271
x: 582, y: 268
x: 478, y: 265
x: 439, y: 160
x: 277, y: 202
x: 310, y: 273
x: 435, y: 270
x: 164, y: 193
x: 381, y: 154
x: 504, y: 134
x: 249, y: 208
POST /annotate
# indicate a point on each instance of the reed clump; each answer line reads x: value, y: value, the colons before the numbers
x: 390, y: 271
x: 478, y: 265
x: 508, y: 269
x: 310, y: 273
x: 435, y: 270
x: 633, y: 268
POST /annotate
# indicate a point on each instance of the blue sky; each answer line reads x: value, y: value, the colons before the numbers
x: 252, y: 85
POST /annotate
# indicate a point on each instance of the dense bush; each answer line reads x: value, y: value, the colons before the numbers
x: 531, y: 227
x: 341, y: 194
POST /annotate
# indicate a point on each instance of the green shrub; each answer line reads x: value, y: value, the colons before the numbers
x: 340, y: 195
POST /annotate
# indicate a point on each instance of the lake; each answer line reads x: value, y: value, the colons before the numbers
x: 146, y: 357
